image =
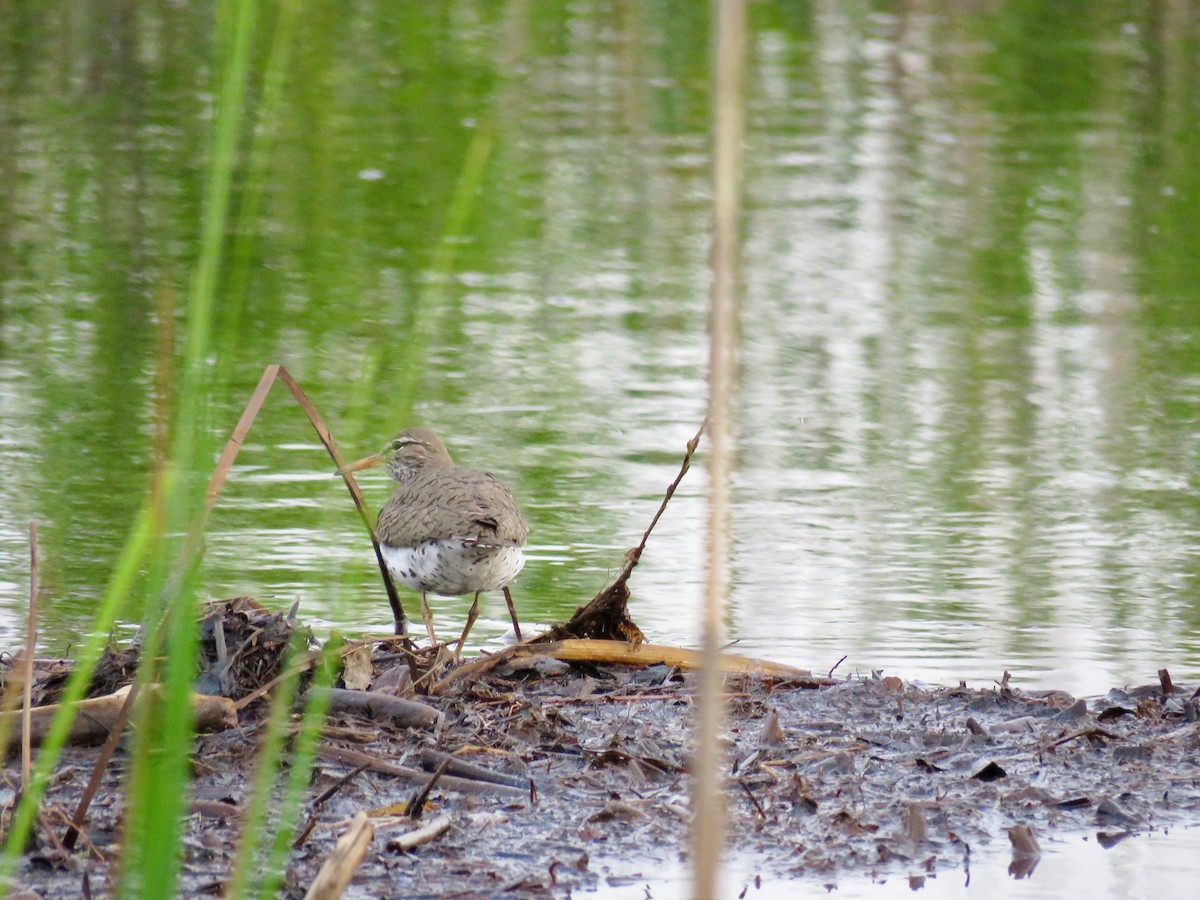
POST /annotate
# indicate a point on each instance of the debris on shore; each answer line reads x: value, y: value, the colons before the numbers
x: 541, y: 776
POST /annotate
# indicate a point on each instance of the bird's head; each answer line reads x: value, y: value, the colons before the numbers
x: 413, y: 448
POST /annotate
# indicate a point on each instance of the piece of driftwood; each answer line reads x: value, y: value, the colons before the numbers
x: 95, y: 718
x: 338, y: 869
x: 625, y: 653
x: 374, y: 705
x: 629, y: 654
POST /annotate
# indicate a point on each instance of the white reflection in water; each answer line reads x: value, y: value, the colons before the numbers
x: 1151, y: 866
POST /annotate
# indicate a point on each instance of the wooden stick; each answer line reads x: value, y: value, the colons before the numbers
x: 304, y: 663
x: 457, y: 766
x: 338, y: 869
x: 623, y: 653
x: 1092, y: 731
x: 446, y: 782
x: 100, y: 767
x: 316, y: 805
x: 476, y: 667
x: 418, y: 805
x: 96, y: 718
x: 629, y: 654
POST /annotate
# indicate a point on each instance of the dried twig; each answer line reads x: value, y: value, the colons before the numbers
x: 457, y: 766
x: 384, y: 767
x: 476, y: 667
x: 100, y: 767
x: 322, y: 799
x: 1083, y: 732
x: 605, y: 615
x: 418, y: 805
x: 234, y: 445
x: 754, y: 800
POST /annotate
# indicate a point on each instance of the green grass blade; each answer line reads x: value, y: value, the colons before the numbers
x: 304, y: 755
x: 137, y: 546
x: 158, y: 788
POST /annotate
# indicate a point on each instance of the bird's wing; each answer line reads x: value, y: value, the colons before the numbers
x: 471, y: 505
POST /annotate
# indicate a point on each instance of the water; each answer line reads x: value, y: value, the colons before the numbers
x: 1143, y: 868
x: 969, y: 396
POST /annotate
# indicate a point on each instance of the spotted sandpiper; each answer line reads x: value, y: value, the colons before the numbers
x: 446, y: 529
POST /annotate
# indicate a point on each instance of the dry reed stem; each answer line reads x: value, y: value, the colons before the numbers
x: 634, y: 555
x: 605, y: 615
x: 101, y: 766
x: 728, y: 134
x: 234, y: 445
x: 216, y: 482
x: 339, y: 868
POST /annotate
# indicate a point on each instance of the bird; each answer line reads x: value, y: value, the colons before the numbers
x: 447, y: 529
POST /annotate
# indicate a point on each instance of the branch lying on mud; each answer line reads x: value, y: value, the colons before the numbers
x: 445, y: 782
x: 95, y: 718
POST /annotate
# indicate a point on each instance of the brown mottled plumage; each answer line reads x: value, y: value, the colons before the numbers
x: 447, y: 529
x: 442, y: 500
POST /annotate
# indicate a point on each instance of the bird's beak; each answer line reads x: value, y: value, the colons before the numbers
x: 374, y: 459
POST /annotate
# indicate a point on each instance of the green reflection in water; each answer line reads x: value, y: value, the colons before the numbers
x: 970, y: 372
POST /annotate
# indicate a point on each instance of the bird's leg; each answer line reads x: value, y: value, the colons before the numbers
x: 512, y: 611
x: 472, y: 615
x: 427, y: 615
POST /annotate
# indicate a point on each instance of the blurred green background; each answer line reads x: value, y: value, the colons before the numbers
x: 969, y: 409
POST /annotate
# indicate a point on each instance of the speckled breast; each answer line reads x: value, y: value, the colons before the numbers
x: 454, y: 566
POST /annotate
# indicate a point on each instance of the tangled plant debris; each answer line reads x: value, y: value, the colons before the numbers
x: 542, y: 777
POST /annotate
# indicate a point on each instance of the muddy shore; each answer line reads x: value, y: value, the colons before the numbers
x: 555, y: 778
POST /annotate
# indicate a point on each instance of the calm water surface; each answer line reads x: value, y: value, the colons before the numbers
x: 1144, y: 868
x: 969, y: 408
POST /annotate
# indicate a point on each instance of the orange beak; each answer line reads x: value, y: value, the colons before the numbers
x: 375, y: 459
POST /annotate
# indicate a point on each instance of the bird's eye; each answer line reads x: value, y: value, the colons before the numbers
x: 397, y: 444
